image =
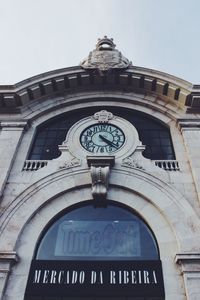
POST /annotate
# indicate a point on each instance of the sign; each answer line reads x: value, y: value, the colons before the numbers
x: 95, y: 278
x: 98, y: 239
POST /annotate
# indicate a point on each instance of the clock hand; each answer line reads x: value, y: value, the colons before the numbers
x: 107, y: 141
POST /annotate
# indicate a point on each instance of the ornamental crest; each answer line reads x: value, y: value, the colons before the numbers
x: 105, y: 57
x: 103, y: 116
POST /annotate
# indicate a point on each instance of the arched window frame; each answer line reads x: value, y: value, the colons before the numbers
x: 142, y: 229
x: 52, y: 133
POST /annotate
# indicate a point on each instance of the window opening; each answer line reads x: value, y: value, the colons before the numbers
x: 96, y: 253
x: 98, y: 233
x: 154, y: 135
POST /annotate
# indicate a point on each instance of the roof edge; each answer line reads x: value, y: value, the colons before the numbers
x: 67, y: 80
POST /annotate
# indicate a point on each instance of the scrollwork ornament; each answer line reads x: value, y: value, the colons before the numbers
x: 103, y: 116
x: 131, y: 163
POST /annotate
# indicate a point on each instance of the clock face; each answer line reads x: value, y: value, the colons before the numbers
x: 102, y: 138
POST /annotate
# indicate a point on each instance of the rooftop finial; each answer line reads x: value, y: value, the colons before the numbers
x: 105, y: 57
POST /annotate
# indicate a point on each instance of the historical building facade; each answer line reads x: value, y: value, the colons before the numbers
x: 100, y: 183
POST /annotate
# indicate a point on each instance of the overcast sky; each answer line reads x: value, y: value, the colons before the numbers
x: 43, y: 35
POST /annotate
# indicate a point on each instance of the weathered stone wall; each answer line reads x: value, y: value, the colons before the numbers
x: 167, y: 200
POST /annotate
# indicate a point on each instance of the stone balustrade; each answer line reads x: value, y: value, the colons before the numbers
x: 168, y: 165
x: 34, y: 165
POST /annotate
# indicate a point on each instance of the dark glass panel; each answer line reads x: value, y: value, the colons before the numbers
x: 103, y: 233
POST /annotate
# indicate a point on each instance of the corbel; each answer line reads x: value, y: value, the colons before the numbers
x: 100, y: 169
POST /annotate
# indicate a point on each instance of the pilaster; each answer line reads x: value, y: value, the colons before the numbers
x: 190, y: 264
x: 10, y: 136
x: 7, y: 258
x: 191, y: 135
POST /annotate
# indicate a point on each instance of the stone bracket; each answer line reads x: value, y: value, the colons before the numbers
x: 7, y: 259
x: 13, y: 125
x: 190, y: 267
x: 190, y: 262
x: 100, y: 169
x: 8, y: 256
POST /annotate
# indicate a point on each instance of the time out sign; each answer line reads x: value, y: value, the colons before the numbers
x: 95, y: 278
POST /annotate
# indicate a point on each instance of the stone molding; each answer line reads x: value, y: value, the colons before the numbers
x: 193, y: 124
x: 8, y: 256
x: 190, y: 262
x: 13, y: 125
x: 145, y: 104
x: 64, y: 81
x: 63, y: 181
x: 187, y: 257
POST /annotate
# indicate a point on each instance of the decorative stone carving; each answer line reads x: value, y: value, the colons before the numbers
x: 105, y: 57
x: 75, y: 162
x: 67, y: 159
x: 100, y: 168
x: 130, y: 162
x: 99, y: 177
x: 103, y: 116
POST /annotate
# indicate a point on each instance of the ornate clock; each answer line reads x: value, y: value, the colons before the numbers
x: 102, y: 134
x: 105, y: 138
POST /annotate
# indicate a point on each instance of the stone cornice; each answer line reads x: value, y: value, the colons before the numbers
x: 189, y: 124
x: 64, y: 81
x: 187, y: 257
x: 190, y: 262
x: 8, y: 256
x: 13, y: 124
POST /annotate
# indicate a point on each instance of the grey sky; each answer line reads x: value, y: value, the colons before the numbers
x: 43, y: 35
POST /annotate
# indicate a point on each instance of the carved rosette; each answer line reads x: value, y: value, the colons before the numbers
x: 105, y: 57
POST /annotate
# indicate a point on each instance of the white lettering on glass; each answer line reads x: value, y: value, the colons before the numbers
x: 93, y: 277
x: 74, y: 277
x: 81, y: 277
x: 139, y: 277
x: 37, y: 276
x: 154, y: 277
x: 146, y: 277
x: 112, y: 277
x: 133, y: 277
x: 61, y: 277
x: 46, y: 276
x: 53, y: 276
x: 77, y: 277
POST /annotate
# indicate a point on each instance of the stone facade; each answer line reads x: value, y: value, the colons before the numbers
x: 33, y: 193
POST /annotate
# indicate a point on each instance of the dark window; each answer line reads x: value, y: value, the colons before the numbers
x: 92, y: 238
x: 155, y: 136
x: 98, y: 233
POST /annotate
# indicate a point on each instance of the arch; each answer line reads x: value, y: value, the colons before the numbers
x: 149, y: 105
x: 172, y: 205
x: 140, y: 102
x: 155, y: 136
x: 165, y: 211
